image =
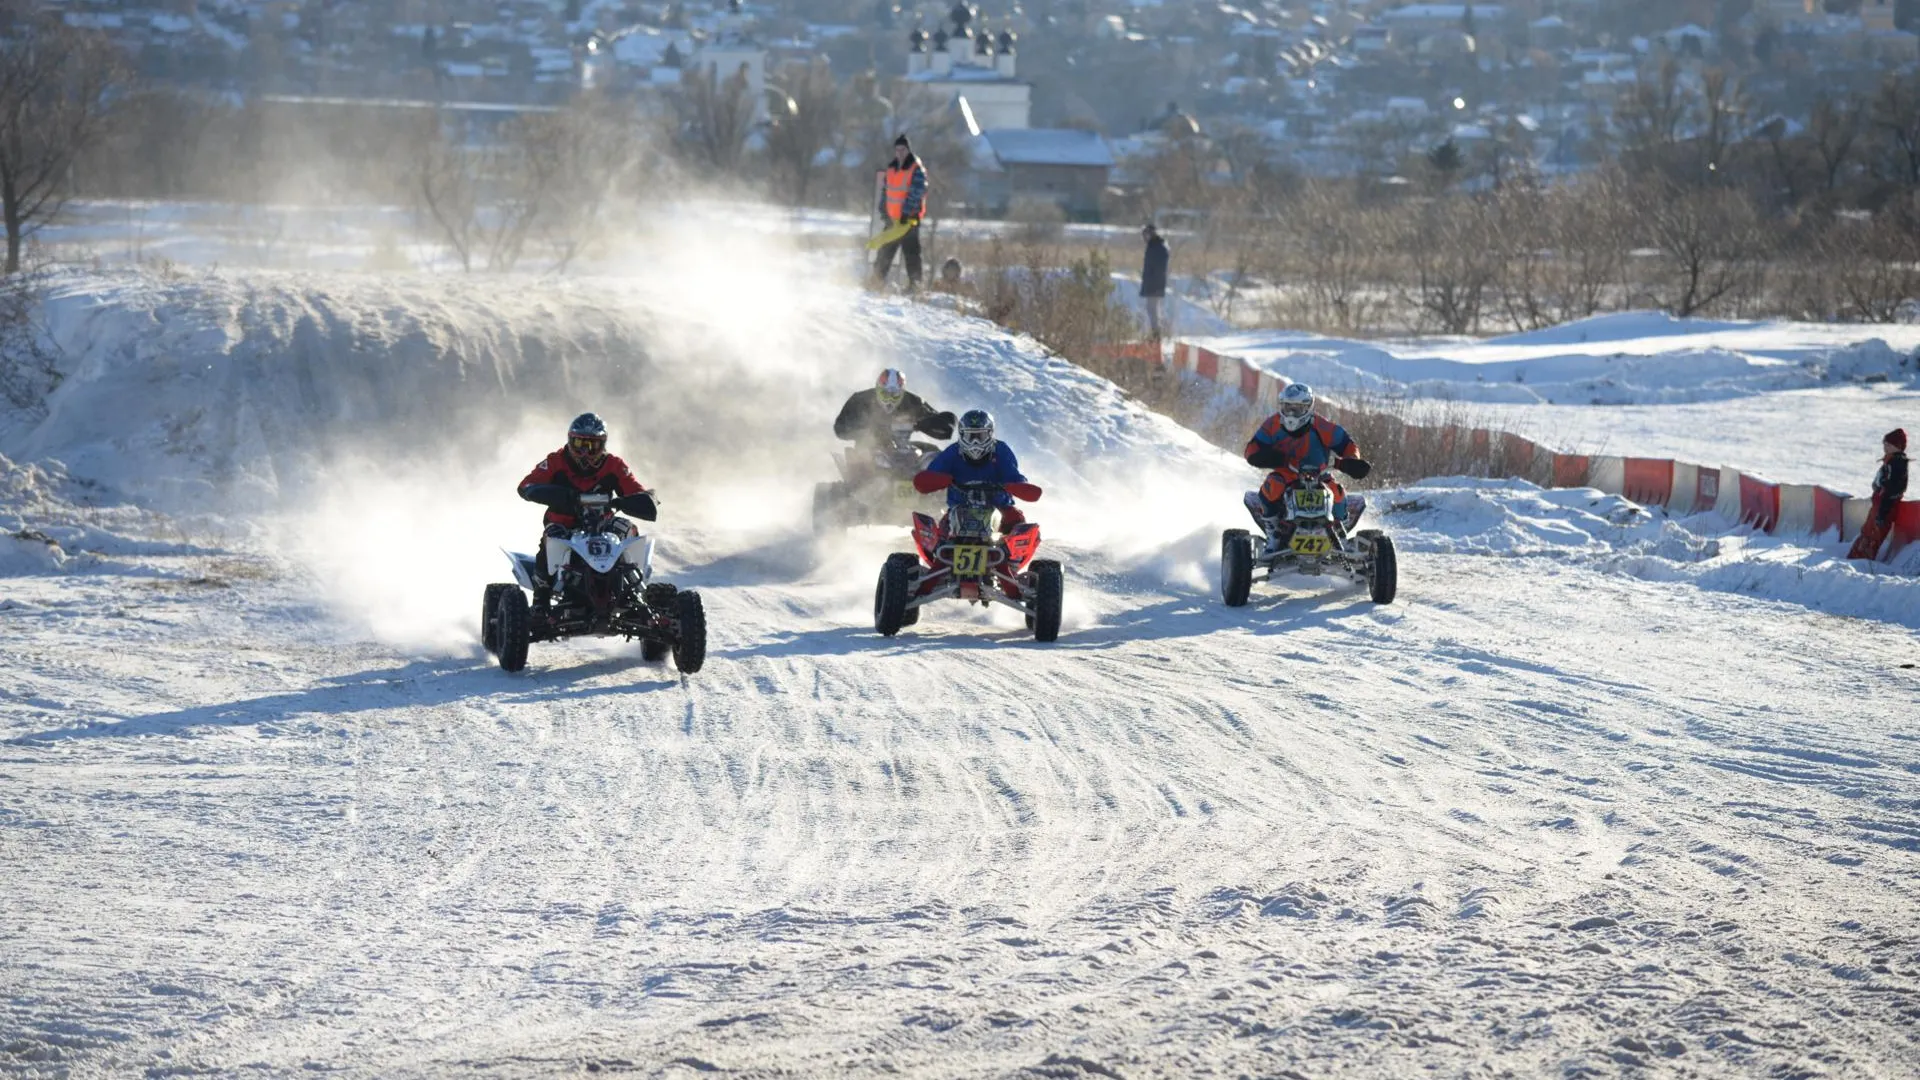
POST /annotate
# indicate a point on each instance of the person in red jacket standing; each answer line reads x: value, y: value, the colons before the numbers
x: 1889, y: 486
x: 581, y: 467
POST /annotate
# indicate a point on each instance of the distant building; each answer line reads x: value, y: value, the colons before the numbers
x: 978, y: 66
x: 1064, y: 168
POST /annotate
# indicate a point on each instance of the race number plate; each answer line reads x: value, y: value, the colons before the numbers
x: 1312, y: 545
x: 969, y: 560
x: 903, y: 491
x: 1313, y: 500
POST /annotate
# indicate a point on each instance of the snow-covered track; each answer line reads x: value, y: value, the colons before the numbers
x: 1544, y: 814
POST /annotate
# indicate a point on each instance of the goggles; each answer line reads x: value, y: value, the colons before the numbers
x: 587, y: 446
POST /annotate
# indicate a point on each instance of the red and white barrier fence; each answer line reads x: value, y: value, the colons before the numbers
x: 1681, y: 487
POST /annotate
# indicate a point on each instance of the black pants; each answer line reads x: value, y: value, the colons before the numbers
x: 910, y: 246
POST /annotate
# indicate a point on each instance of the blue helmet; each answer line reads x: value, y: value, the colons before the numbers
x: 976, y: 435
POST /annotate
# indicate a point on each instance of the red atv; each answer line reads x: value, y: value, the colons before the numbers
x: 960, y: 559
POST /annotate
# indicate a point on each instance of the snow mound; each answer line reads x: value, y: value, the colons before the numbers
x: 1512, y: 518
x: 50, y: 523
x: 1619, y: 326
x: 361, y: 423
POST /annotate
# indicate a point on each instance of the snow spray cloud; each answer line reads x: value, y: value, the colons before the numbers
x: 717, y: 361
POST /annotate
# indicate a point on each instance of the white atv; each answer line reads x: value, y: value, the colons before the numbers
x: 1305, y: 538
x: 603, y: 586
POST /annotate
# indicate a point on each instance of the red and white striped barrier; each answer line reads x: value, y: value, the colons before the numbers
x: 1681, y: 487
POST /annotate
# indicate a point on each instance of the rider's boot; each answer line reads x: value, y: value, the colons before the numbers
x: 1269, y: 525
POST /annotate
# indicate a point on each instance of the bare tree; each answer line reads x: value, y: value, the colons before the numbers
x: 446, y: 188
x: 599, y: 144
x: 1896, y: 116
x: 1588, y: 226
x: 1833, y: 127
x: 1722, y: 104
x: 1710, y: 245
x: 485, y: 200
x: 1788, y: 157
x: 1873, y: 267
x: 814, y: 116
x: 1651, y: 115
x: 1454, y: 264
x: 1332, y: 251
x: 720, y: 111
x: 57, y: 87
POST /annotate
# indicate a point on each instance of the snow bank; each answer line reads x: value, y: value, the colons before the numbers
x: 1636, y: 358
x: 373, y: 430
x: 51, y: 523
x: 1642, y: 384
x: 1512, y: 518
x: 373, y: 425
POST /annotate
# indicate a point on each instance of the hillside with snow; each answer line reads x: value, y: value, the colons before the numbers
x: 1584, y: 800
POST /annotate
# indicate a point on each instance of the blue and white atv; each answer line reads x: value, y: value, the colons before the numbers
x: 603, y: 586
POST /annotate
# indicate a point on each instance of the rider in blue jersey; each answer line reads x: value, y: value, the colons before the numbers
x: 977, y: 457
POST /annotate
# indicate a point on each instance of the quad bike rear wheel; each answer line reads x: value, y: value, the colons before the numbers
x: 659, y: 598
x: 1236, y: 566
x: 514, y: 629
x: 1383, y: 566
x: 1049, y: 592
x: 690, y: 645
x: 490, y: 617
x: 890, y: 593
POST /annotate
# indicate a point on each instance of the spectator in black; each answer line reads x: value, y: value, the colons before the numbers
x: 1153, y: 276
x: 1889, y: 486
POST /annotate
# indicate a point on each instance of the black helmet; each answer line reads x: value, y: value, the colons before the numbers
x: 976, y: 435
x: 587, y: 440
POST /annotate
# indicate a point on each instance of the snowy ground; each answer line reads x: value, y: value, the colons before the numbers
x: 1598, y: 795
x: 1794, y: 402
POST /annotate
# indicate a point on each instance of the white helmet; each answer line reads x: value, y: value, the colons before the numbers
x: 1296, y: 406
x: 892, y: 387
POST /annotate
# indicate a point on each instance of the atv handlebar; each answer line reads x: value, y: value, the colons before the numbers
x: 565, y: 499
x: 930, y: 482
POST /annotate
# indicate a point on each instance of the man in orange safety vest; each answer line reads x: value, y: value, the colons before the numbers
x: 903, y: 201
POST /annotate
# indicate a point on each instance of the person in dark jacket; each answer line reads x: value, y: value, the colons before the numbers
x: 1889, y: 487
x: 871, y: 418
x: 903, y: 200
x: 1153, y: 276
x: 581, y: 467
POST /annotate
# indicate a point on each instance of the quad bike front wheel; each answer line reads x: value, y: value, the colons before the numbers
x: 490, y: 616
x: 890, y: 593
x: 1236, y: 566
x: 1049, y: 592
x: 514, y: 629
x: 1383, y: 567
x: 654, y: 651
x: 690, y: 645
